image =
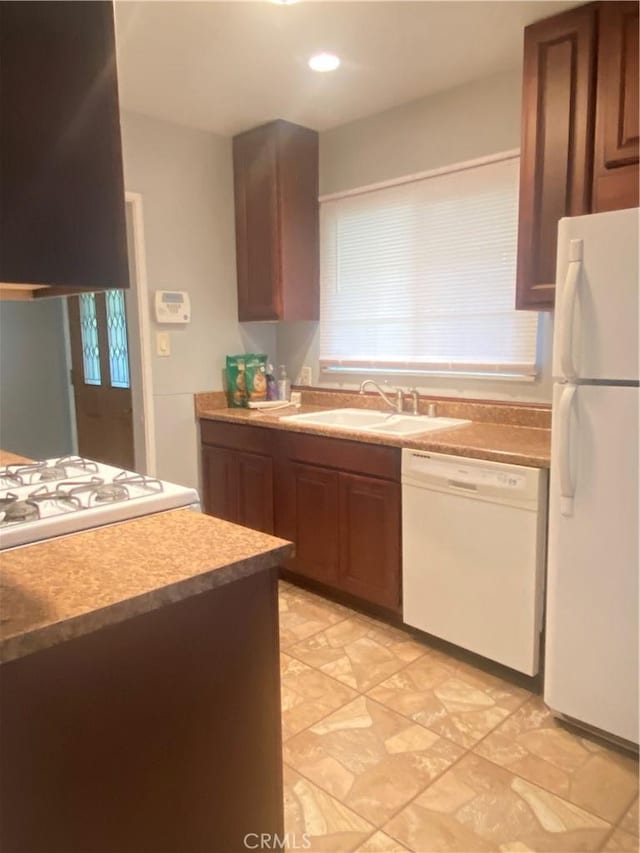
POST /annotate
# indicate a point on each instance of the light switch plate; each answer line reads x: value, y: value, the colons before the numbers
x: 305, y: 375
x: 163, y: 344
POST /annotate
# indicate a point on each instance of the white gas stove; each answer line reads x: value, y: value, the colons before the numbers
x: 56, y: 497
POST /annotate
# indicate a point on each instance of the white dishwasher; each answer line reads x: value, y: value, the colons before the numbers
x: 474, y: 537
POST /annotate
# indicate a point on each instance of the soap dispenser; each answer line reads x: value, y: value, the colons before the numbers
x: 284, y: 384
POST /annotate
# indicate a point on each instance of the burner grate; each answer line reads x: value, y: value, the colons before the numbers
x: 19, y: 474
x: 124, y: 478
x: 78, y: 462
x: 64, y: 501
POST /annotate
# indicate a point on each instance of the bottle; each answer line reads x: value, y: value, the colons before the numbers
x: 272, y: 385
x: 284, y: 385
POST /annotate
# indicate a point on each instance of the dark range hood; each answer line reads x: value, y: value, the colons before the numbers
x: 62, y: 211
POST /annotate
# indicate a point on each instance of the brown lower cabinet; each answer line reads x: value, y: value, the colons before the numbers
x: 307, y: 514
x: 238, y: 487
x: 337, y: 500
x: 370, y: 539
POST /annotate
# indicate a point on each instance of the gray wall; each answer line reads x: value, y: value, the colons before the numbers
x: 480, y: 118
x: 34, y: 403
x: 185, y: 179
x: 475, y: 120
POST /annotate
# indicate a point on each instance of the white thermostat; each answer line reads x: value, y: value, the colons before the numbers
x: 173, y: 306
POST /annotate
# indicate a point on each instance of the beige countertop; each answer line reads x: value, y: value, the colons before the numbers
x: 63, y: 588
x: 8, y: 458
x: 498, y: 442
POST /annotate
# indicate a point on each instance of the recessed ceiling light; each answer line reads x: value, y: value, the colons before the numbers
x: 324, y: 62
x: 284, y: 2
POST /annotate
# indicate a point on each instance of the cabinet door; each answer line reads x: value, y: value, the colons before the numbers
x: 257, y: 230
x: 255, y: 491
x: 556, y: 163
x: 220, y: 482
x: 62, y: 214
x: 615, y: 183
x: 370, y: 543
x: 307, y: 513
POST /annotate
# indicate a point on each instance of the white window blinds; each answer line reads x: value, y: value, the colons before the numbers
x: 420, y: 276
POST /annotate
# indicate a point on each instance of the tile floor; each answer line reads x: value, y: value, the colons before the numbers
x: 390, y: 745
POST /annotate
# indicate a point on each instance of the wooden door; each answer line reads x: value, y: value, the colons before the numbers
x: 615, y: 180
x: 220, y: 482
x: 556, y: 160
x: 257, y: 232
x: 255, y: 491
x: 307, y: 514
x: 101, y: 377
x: 370, y: 539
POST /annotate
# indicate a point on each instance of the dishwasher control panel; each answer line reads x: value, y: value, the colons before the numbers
x: 479, y: 476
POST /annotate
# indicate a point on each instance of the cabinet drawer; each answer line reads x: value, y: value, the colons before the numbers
x: 237, y: 436
x: 373, y: 459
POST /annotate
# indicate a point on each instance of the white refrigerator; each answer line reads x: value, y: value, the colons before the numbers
x: 591, y: 657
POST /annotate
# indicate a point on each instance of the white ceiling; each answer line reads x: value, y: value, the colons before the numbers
x: 228, y: 66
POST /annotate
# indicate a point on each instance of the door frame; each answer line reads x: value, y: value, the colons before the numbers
x: 139, y: 339
x: 137, y: 298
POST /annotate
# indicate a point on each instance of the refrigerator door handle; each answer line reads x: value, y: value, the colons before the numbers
x: 567, y: 483
x: 567, y: 310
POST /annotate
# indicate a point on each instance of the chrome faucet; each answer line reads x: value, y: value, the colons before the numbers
x: 395, y: 407
x: 415, y: 401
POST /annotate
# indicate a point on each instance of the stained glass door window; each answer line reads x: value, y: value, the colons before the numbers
x: 93, y: 315
x: 117, y: 338
x: 90, y: 343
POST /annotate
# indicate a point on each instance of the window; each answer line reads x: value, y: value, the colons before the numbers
x: 109, y: 311
x: 419, y: 277
x: 90, y: 345
x: 117, y: 339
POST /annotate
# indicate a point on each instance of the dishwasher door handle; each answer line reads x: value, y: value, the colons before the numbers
x: 458, y: 484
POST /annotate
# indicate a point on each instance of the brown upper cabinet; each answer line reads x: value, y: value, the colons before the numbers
x: 558, y: 119
x: 579, y: 96
x: 615, y: 174
x: 62, y: 214
x: 275, y: 169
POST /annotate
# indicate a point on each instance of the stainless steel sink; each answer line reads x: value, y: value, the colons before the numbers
x: 368, y: 420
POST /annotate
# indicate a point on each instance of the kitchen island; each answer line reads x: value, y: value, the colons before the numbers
x: 140, y: 689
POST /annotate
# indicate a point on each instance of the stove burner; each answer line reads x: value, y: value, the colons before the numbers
x: 21, y: 511
x: 7, y: 500
x: 55, y: 472
x: 110, y: 493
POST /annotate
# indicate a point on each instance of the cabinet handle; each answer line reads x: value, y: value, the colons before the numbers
x: 567, y: 310
x: 567, y: 483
